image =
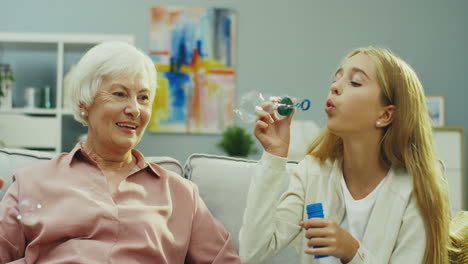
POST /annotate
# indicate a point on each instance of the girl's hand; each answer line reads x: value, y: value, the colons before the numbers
x: 273, y: 133
x: 332, y: 238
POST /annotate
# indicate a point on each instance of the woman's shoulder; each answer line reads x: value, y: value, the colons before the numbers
x: 175, y: 180
x: 41, y: 165
x: 39, y: 173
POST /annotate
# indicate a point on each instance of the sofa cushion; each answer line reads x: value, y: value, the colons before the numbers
x: 223, y: 183
x: 13, y: 159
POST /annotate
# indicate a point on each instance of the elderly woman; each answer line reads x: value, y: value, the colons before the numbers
x: 103, y: 202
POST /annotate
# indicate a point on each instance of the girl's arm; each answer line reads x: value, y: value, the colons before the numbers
x: 271, y: 222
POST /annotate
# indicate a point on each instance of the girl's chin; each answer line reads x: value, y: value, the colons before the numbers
x: 330, y: 124
x: 332, y: 127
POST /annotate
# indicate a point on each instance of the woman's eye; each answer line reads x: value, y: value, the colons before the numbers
x: 119, y: 94
x: 144, y: 97
x: 355, y: 84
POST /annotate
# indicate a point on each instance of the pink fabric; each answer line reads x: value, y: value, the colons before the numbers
x: 155, y: 216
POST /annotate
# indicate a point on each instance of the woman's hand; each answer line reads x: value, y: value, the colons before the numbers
x: 332, y: 238
x: 273, y: 133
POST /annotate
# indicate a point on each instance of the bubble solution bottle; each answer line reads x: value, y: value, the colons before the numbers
x: 253, y: 100
x: 315, y: 210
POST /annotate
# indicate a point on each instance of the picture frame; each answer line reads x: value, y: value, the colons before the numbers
x: 436, y: 110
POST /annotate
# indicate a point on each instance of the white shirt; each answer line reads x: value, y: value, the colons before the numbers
x: 358, y: 211
x: 357, y: 215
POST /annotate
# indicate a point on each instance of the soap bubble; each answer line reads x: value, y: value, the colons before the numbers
x: 253, y: 100
x: 247, y: 105
x: 29, y: 212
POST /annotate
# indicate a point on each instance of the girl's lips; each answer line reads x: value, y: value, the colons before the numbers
x: 329, y: 106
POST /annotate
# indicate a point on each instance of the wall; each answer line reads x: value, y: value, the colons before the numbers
x: 289, y: 47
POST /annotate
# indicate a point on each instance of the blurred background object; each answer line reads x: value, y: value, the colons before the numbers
x: 303, y: 132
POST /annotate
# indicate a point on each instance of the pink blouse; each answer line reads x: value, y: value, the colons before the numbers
x: 155, y: 216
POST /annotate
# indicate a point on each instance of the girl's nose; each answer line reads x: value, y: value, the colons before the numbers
x: 334, y: 89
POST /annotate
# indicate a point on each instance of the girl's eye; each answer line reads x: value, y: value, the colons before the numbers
x: 355, y: 84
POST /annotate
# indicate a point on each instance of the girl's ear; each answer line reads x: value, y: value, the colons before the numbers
x: 386, y: 118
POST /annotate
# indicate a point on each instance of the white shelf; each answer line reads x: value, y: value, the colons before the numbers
x: 37, y: 111
x: 66, y: 111
x: 37, y: 37
x: 39, y: 127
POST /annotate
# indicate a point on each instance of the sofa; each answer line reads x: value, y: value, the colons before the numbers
x: 223, y: 184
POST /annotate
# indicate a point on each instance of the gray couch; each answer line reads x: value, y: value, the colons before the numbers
x: 223, y: 183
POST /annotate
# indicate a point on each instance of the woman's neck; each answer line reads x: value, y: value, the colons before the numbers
x: 108, y: 159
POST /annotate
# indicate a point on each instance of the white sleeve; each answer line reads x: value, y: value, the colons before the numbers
x: 270, y: 223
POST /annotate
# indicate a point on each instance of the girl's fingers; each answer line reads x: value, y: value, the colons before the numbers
x: 269, y: 107
x: 315, y: 222
x: 323, y: 251
x: 263, y: 115
x: 260, y: 112
x: 274, y: 117
x: 319, y: 241
x: 316, y: 232
x: 261, y: 124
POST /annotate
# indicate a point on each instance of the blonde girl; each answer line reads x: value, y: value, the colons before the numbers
x: 373, y: 168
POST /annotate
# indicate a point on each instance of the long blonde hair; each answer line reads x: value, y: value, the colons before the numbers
x: 407, y: 142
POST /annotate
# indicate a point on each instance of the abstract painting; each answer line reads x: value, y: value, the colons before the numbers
x: 194, y: 53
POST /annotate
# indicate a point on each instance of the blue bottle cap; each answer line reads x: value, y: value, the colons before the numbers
x: 315, y: 210
x: 315, y: 207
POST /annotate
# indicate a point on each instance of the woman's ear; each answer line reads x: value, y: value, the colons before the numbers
x: 83, y: 111
x: 386, y: 118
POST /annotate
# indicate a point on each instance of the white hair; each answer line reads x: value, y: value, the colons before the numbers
x: 108, y: 59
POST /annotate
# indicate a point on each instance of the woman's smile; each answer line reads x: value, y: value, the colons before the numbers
x: 127, y: 127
